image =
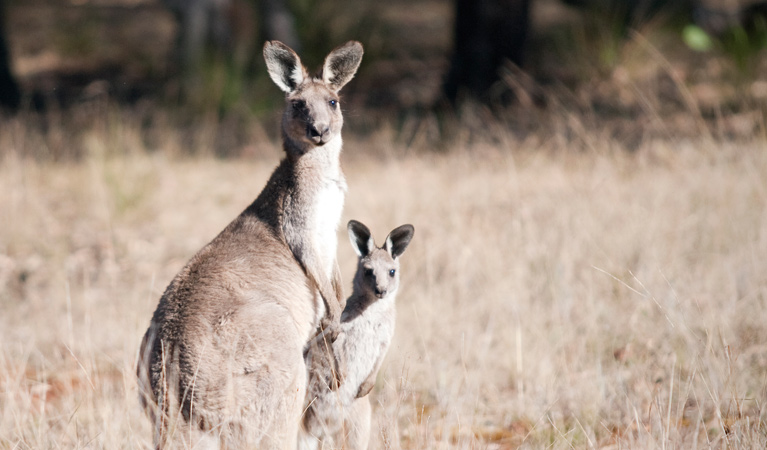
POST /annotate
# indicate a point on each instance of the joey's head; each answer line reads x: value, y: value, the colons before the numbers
x: 312, y: 115
x: 378, y: 267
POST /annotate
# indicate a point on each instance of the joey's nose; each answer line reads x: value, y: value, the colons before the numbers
x: 380, y: 292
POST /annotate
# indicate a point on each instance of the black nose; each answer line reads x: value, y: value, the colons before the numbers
x: 380, y: 292
x: 317, y: 132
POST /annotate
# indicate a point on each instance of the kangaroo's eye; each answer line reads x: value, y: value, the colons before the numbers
x: 392, y: 272
x: 299, y: 104
x: 368, y: 272
x: 333, y: 103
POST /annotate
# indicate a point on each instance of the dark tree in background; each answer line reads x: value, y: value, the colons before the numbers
x: 201, y: 23
x: 486, y: 34
x: 277, y: 23
x: 10, y: 95
x: 208, y: 25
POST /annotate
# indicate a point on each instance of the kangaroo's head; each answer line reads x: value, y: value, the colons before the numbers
x: 378, y: 267
x: 312, y: 115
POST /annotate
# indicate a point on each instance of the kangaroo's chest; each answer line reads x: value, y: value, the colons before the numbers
x: 328, y: 205
x: 312, y: 217
x: 365, y: 341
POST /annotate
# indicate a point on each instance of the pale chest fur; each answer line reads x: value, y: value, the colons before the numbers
x: 326, y: 214
x: 313, y: 210
x: 365, y: 340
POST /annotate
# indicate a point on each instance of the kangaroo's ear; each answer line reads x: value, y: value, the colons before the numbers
x: 341, y: 65
x: 398, y: 240
x: 283, y: 65
x: 361, y: 239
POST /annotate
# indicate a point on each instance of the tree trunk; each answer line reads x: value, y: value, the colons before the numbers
x: 10, y: 95
x: 486, y: 34
x: 277, y: 23
x: 201, y: 23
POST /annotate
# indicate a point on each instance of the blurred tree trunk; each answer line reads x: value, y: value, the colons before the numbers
x: 10, y: 95
x: 486, y: 34
x: 277, y: 23
x: 210, y: 24
x: 200, y: 23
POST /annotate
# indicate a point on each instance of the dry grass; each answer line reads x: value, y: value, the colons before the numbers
x: 551, y: 298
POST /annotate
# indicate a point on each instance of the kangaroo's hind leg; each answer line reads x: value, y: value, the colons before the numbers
x: 357, y: 425
x: 269, y: 385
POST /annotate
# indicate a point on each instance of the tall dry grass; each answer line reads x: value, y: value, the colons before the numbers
x: 551, y: 298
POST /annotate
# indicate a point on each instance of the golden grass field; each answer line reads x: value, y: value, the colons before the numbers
x: 552, y: 297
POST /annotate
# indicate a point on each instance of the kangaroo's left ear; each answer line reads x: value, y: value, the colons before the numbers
x: 341, y: 65
x: 398, y: 240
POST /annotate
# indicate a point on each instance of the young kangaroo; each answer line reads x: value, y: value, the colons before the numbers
x: 341, y: 418
x: 222, y: 361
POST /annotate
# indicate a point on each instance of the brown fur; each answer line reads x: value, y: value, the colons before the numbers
x: 222, y: 364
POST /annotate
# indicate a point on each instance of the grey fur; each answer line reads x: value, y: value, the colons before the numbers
x: 222, y: 361
x: 340, y: 418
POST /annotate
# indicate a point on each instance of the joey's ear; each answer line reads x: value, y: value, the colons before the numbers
x: 284, y: 66
x: 398, y: 240
x: 341, y: 65
x: 361, y: 239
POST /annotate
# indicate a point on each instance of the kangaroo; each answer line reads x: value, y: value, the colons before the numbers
x: 341, y: 418
x: 221, y: 364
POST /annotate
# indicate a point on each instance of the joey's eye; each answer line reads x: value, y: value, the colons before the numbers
x: 392, y: 272
x: 299, y: 104
x: 333, y: 103
x: 368, y: 272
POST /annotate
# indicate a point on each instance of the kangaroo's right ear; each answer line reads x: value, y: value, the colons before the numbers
x: 284, y: 66
x: 398, y: 240
x: 361, y: 239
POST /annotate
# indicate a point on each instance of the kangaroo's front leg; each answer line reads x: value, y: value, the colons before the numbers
x: 335, y: 301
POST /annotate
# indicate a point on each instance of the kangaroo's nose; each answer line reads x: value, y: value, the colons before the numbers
x: 318, y: 132
x: 380, y: 291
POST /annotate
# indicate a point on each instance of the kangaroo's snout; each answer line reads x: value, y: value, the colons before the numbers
x: 318, y: 133
x: 380, y: 291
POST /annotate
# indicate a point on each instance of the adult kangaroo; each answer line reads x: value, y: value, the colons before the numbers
x: 221, y: 364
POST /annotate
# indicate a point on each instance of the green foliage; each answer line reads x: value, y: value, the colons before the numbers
x: 696, y: 38
x: 587, y: 46
x: 225, y: 83
x: 222, y: 84
x: 77, y: 39
x: 742, y: 45
x: 323, y: 25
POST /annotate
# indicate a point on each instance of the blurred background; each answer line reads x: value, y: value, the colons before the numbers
x: 619, y: 64
x: 586, y: 179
